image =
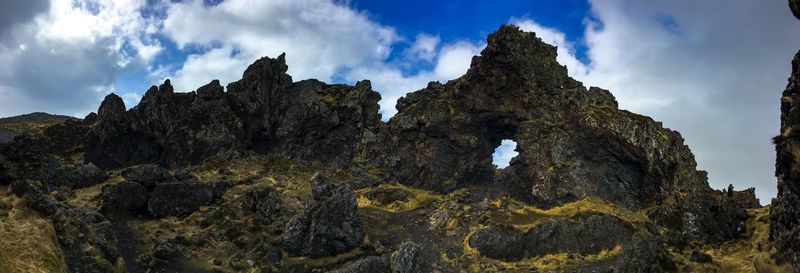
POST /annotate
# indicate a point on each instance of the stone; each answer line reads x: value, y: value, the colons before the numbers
x: 77, y: 176
x: 644, y: 255
x: 371, y: 264
x: 262, y: 200
x: 178, y: 198
x: 407, y: 258
x: 785, y: 209
x: 148, y: 175
x: 581, y: 234
x: 264, y: 112
x: 125, y: 198
x: 331, y: 225
x: 700, y: 257
x: 794, y: 5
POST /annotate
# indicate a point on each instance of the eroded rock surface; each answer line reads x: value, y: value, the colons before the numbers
x: 331, y: 225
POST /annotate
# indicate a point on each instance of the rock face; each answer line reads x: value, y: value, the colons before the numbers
x: 179, y: 198
x: 590, y: 179
x: 264, y: 112
x: 785, y: 213
x: 124, y: 198
x: 77, y: 230
x: 584, y: 234
x: 76, y: 176
x: 331, y: 226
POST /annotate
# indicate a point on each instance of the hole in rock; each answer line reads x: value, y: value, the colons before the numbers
x: 504, y: 153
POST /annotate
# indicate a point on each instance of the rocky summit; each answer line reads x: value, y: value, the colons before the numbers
x: 269, y: 174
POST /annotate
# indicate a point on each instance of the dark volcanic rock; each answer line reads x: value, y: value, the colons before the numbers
x: 794, y: 5
x: 77, y: 229
x: 583, y: 234
x: 644, y: 255
x: 407, y: 258
x: 179, y: 198
x: 263, y: 200
x: 785, y: 210
x: 6, y: 135
x: 76, y: 176
x: 371, y: 264
x: 331, y: 225
x: 148, y: 175
x: 264, y: 112
x: 124, y: 198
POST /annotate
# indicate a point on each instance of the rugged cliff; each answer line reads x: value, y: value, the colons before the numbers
x: 274, y: 175
x: 785, y: 213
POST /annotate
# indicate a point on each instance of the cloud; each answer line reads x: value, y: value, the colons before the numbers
x: 424, y: 47
x: 504, y: 153
x: 320, y: 38
x: 451, y: 61
x: 716, y: 77
x: 65, y: 57
x: 13, y: 13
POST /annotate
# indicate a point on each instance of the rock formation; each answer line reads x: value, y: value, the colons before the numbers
x: 785, y: 211
x: 274, y: 175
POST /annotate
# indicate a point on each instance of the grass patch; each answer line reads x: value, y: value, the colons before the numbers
x: 394, y: 198
x: 28, y: 243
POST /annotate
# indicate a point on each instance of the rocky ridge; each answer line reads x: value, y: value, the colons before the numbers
x: 283, y: 176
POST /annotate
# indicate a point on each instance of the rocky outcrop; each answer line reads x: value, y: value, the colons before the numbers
x: 583, y: 234
x: 407, y: 258
x: 124, y: 199
x: 179, y: 198
x: 785, y: 211
x: 264, y: 112
x: 6, y: 135
x: 76, y: 176
x: 86, y: 237
x: 331, y: 225
x: 148, y: 175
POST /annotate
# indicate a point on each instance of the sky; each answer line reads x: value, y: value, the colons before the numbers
x: 712, y: 70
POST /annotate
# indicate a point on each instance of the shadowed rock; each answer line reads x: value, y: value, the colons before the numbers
x: 331, y: 226
x: 179, y: 198
x: 77, y: 176
x: 583, y: 234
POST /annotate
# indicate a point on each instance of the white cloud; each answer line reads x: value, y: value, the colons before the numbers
x: 319, y: 37
x: 451, y: 61
x: 67, y: 54
x: 712, y: 71
x: 424, y: 47
x: 321, y: 40
x: 454, y: 60
x: 565, y: 51
x: 504, y: 153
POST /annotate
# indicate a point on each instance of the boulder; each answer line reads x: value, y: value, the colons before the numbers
x: 794, y: 5
x: 371, y: 264
x: 644, y: 255
x: 331, y: 225
x: 262, y: 200
x: 123, y: 199
x: 407, y: 258
x: 178, y: 198
x: 76, y: 176
x: 148, y: 175
x: 581, y: 234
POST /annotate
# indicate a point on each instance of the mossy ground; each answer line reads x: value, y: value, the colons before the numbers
x: 28, y: 241
x: 392, y: 213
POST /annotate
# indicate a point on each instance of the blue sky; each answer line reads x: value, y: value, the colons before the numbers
x: 712, y: 70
